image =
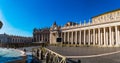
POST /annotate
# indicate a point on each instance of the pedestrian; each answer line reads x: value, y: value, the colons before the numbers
x: 79, y: 61
x: 41, y: 55
x: 38, y: 53
x: 24, y: 50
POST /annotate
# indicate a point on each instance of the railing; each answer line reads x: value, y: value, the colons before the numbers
x: 48, y: 55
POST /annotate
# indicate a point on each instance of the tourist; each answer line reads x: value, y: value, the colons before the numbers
x: 24, y: 50
x: 38, y: 53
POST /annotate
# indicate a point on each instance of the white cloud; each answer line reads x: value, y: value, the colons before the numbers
x: 9, y: 29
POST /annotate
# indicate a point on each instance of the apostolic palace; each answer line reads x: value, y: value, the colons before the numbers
x: 102, y: 30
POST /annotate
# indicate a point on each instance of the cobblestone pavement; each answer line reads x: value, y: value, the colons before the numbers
x: 89, y: 51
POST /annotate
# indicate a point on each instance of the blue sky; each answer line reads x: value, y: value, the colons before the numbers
x: 20, y: 17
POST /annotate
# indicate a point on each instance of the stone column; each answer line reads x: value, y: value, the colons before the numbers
x: 80, y: 38
x: 112, y: 37
x: 61, y: 35
x: 104, y: 37
x: 76, y: 37
x: 110, y: 43
x: 89, y: 37
x: 68, y: 38
x: 42, y: 37
x: 72, y: 37
x: 35, y: 38
x: 96, y: 37
x: 64, y: 37
x: 107, y: 37
x: 116, y: 36
x: 84, y: 37
x: 51, y: 40
x: 93, y: 36
x: 99, y: 36
x: 46, y: 38
x: 39, y: 37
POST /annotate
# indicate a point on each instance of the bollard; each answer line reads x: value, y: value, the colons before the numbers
x: 41, y: 55
x: 38, y: 53
x: 79, y: 61
x: 47, y: 58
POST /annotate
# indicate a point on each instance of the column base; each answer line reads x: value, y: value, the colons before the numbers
x: 117, y: 45
x: 104, y: 45
x: 110, y: 45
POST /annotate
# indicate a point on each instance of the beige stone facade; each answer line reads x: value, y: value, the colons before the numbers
x: 12, y: 40
x: 104, y: 30
x: 5, y: 38
x: 41, y: 35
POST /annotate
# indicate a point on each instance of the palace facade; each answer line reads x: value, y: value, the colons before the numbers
x: 102, y: 30
x: 41, y: 35
x: 8, y: 40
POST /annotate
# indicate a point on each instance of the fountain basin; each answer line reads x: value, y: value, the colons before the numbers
x: 12, y: 56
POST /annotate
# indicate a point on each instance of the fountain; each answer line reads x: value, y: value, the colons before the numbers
x: 11, y: 55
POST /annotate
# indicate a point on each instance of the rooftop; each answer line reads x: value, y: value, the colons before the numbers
x: 106, y: 13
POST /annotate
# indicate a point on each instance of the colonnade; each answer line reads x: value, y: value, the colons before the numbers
x: 106, y: 36
x: 41, y: 37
